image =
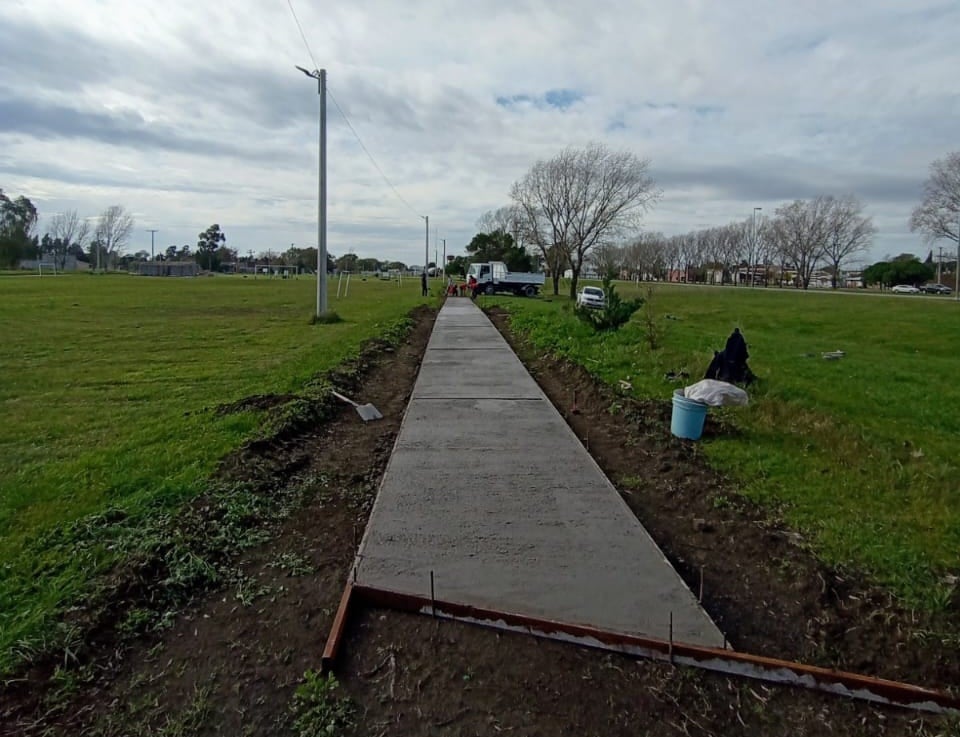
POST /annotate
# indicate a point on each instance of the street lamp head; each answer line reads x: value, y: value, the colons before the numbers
x: 315, y: 74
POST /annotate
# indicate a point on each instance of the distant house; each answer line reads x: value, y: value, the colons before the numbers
x: 753, y: 276
x: 852, y: 279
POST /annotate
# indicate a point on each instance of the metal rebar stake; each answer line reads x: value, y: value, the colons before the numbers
x: 671, y: 637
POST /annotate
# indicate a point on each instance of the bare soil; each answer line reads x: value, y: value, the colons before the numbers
x: 231, y: 660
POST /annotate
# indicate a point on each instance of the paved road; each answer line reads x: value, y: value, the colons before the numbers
x: 490, y: 489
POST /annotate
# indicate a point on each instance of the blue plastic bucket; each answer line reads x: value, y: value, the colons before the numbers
x: 688, y: 417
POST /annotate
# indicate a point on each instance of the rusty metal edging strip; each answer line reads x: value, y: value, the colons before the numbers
x: 337, y: 629
x: 758, y: 667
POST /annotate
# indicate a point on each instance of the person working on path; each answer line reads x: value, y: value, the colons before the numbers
x: 424, y: 291
x: 472, y: 286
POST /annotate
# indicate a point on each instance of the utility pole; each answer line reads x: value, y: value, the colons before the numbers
x: 426, y: 244
x: 321, y: 76
x: 152, y: 233
x: 940, y: 266
x: 444, y: 257
x: 752, y: 267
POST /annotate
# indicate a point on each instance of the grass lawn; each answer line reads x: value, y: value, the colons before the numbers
x: 104, y: 383
x: 860, y: 454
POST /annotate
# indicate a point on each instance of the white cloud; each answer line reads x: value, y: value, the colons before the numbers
x: 190, y: 113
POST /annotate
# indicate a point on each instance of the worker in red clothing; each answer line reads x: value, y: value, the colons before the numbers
x: 472, y: 286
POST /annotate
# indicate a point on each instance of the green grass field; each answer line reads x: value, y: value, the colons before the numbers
x: 106, y: 383
x: 105, y: 380
x: 860, y: 454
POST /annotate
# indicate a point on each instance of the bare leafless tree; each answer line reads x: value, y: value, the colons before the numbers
x: 756, y: 246
x: 67, y: 229
x: 609, y: 259
x: 503, y: 218
x: 688, y: 253
x: 580, y: 199
x: 938, y: 216
x: 113, y: 231
x: 800, y: 231
x: 728, y: 249
x: 644, y: 256
x: 675, y: 254
x: 849, y: 232
x: 543, y: 198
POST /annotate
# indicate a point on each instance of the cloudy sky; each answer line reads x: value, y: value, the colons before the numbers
x: 189, y: 113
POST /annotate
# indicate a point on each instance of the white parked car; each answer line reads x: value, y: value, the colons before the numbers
x: 905, y: 289
x: 591, y: 297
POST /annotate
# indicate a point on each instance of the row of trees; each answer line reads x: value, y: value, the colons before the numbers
x: 68, y: 235
x: 586, y: 205
x: 803, y: 236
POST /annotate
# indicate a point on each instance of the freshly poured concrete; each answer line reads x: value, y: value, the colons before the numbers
x: 490, y: 489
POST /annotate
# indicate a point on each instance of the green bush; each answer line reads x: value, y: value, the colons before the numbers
x: 615, y: 313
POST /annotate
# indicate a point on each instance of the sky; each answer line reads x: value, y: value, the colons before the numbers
x: 193, y: 113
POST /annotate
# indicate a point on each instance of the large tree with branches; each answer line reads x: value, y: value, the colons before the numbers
x: 849, y: 232
x: 67, y: 229
x: 799, y: 232
x: 112, y: 232
x: 580, y: 199
x: 938, y: 216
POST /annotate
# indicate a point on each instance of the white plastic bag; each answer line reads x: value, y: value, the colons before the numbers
x: 717, y: 393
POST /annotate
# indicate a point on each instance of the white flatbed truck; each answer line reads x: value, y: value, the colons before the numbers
x: 493, y: 277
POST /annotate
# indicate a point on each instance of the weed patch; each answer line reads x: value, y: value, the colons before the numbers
x: 319, y: 708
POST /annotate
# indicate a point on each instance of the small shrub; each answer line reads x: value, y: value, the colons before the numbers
x: 651, y: 323
x: 616, y: 311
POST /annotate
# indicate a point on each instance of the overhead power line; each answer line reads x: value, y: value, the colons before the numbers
x: 302, y: 34
x: 344, y: 115
x: 369, y: 155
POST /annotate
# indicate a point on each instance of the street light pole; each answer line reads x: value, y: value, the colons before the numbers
x: 754, y: 266
x: 321, y: 76
x: 444, y: 240
x: 426, y: 245
x: 152, y: 233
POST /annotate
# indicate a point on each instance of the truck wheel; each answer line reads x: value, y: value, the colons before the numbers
x: 530, y: 290
x: 488, y: 289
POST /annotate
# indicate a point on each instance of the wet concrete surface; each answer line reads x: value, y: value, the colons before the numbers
x: 488, y: 488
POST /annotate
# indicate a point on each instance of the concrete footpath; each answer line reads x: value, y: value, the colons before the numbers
x: 490, y: 489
